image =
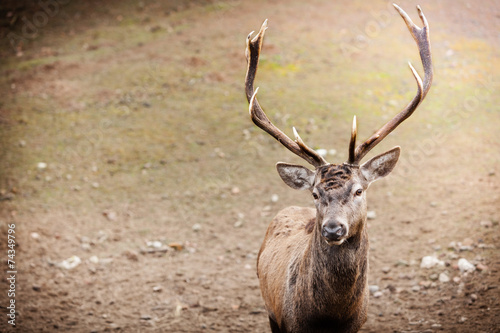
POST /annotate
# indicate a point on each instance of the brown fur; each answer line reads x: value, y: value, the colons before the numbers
x: 325, y: 287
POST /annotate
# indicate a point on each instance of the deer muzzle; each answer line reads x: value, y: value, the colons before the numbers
x: 334, y: 232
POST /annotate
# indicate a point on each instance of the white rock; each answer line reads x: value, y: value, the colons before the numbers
x: 41, y: 165
x: 196, y: 227
x: 322, y: 152
x: 373, y: 288
x: 430, y: 261
x: 275, y: 198
x: 70, y: 263
x: 465, y: 266
x: 94, y: 259
x: 443, y: 277
x: 35, y: 235
x: 371, y: 215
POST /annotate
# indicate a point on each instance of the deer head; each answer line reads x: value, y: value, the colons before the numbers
x: 339, y: 190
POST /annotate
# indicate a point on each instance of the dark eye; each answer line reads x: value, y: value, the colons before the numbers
x: 315, y: 196
x: 359, y: 192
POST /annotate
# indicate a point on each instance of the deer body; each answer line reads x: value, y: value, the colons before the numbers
x: 313, y: 263
x: 324, y: 287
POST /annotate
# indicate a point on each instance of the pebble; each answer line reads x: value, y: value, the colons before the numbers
x: 176, y: 246
x: 35, y: 235
x: 41, y: 165
x: 377, y: 294
x: 323, y: 152
x: 94, y: 259
x: 275, y: 198
x: 70, y: 263
x: 196, y: 227
x: 481, y: 267
x: 386, y: 269
x: 444, y: 278
x: 373, y: 289
x: 430, y: 261
x: 486, y: 224
x: 465, y: 266
x: 415, y: 288
x: 371, y: 215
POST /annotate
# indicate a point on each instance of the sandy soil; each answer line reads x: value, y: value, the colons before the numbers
x: 125, y: 141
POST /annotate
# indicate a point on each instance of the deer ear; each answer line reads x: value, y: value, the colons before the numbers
x: 296, y: 176
x: 381, y: 165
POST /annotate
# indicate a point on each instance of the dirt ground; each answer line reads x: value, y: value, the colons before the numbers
x: 125, y: 141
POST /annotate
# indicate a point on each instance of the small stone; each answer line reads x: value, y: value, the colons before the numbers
x: 462, y: 319
x: 377, y: 294
x: 433, y: 277
x: 481, y: 267
x: 154, y: 244
x: 332, y: 152
x: 176, y: 246
x: 235, y: 190
x: 415, y: 288
x: 373, y: 289
x: 131, y: 255
x: 456, y: 279
x: 486, y: 224
x: 433, y: 204
x: 275, y: 198
x: 35, y: 235
x: 473, y: 297
x: 371, y: 215
x: 386, y: 269
x: 322, y: 152
x: 425, y: 284
x: 402, y: 263
x: 22, y: 143
x: 41, y: 165
x: 94, y: 259
x: 110, y: 215
x: 157, y: 289
x: 465, y: 266
x: 430, y: 261
x: 238, y: 224
x: 444, y: 278
x: 70, y: 263
x: 196, y: 227
x: 36, y: 287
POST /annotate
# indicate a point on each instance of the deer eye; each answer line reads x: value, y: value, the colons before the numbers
x: 359, y: 192
x: 315, y: 196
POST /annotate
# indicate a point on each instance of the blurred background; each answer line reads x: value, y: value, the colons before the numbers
x: 141, y: 191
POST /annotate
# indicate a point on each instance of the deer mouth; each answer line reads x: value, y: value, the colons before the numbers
x: 332, y: 243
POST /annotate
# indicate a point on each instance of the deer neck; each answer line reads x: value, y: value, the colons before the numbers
x: 342, y: 265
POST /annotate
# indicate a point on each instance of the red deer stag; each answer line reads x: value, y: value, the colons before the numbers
x: 313, y: 263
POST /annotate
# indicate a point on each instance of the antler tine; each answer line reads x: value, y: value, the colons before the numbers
x: 421, y: 36
x: 258, y: 115
x: 352, y: 143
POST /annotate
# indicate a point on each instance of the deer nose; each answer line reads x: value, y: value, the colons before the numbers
x: 334, y: 231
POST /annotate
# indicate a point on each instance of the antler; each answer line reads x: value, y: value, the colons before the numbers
x: 421, y: 36
x: 258, y: 115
